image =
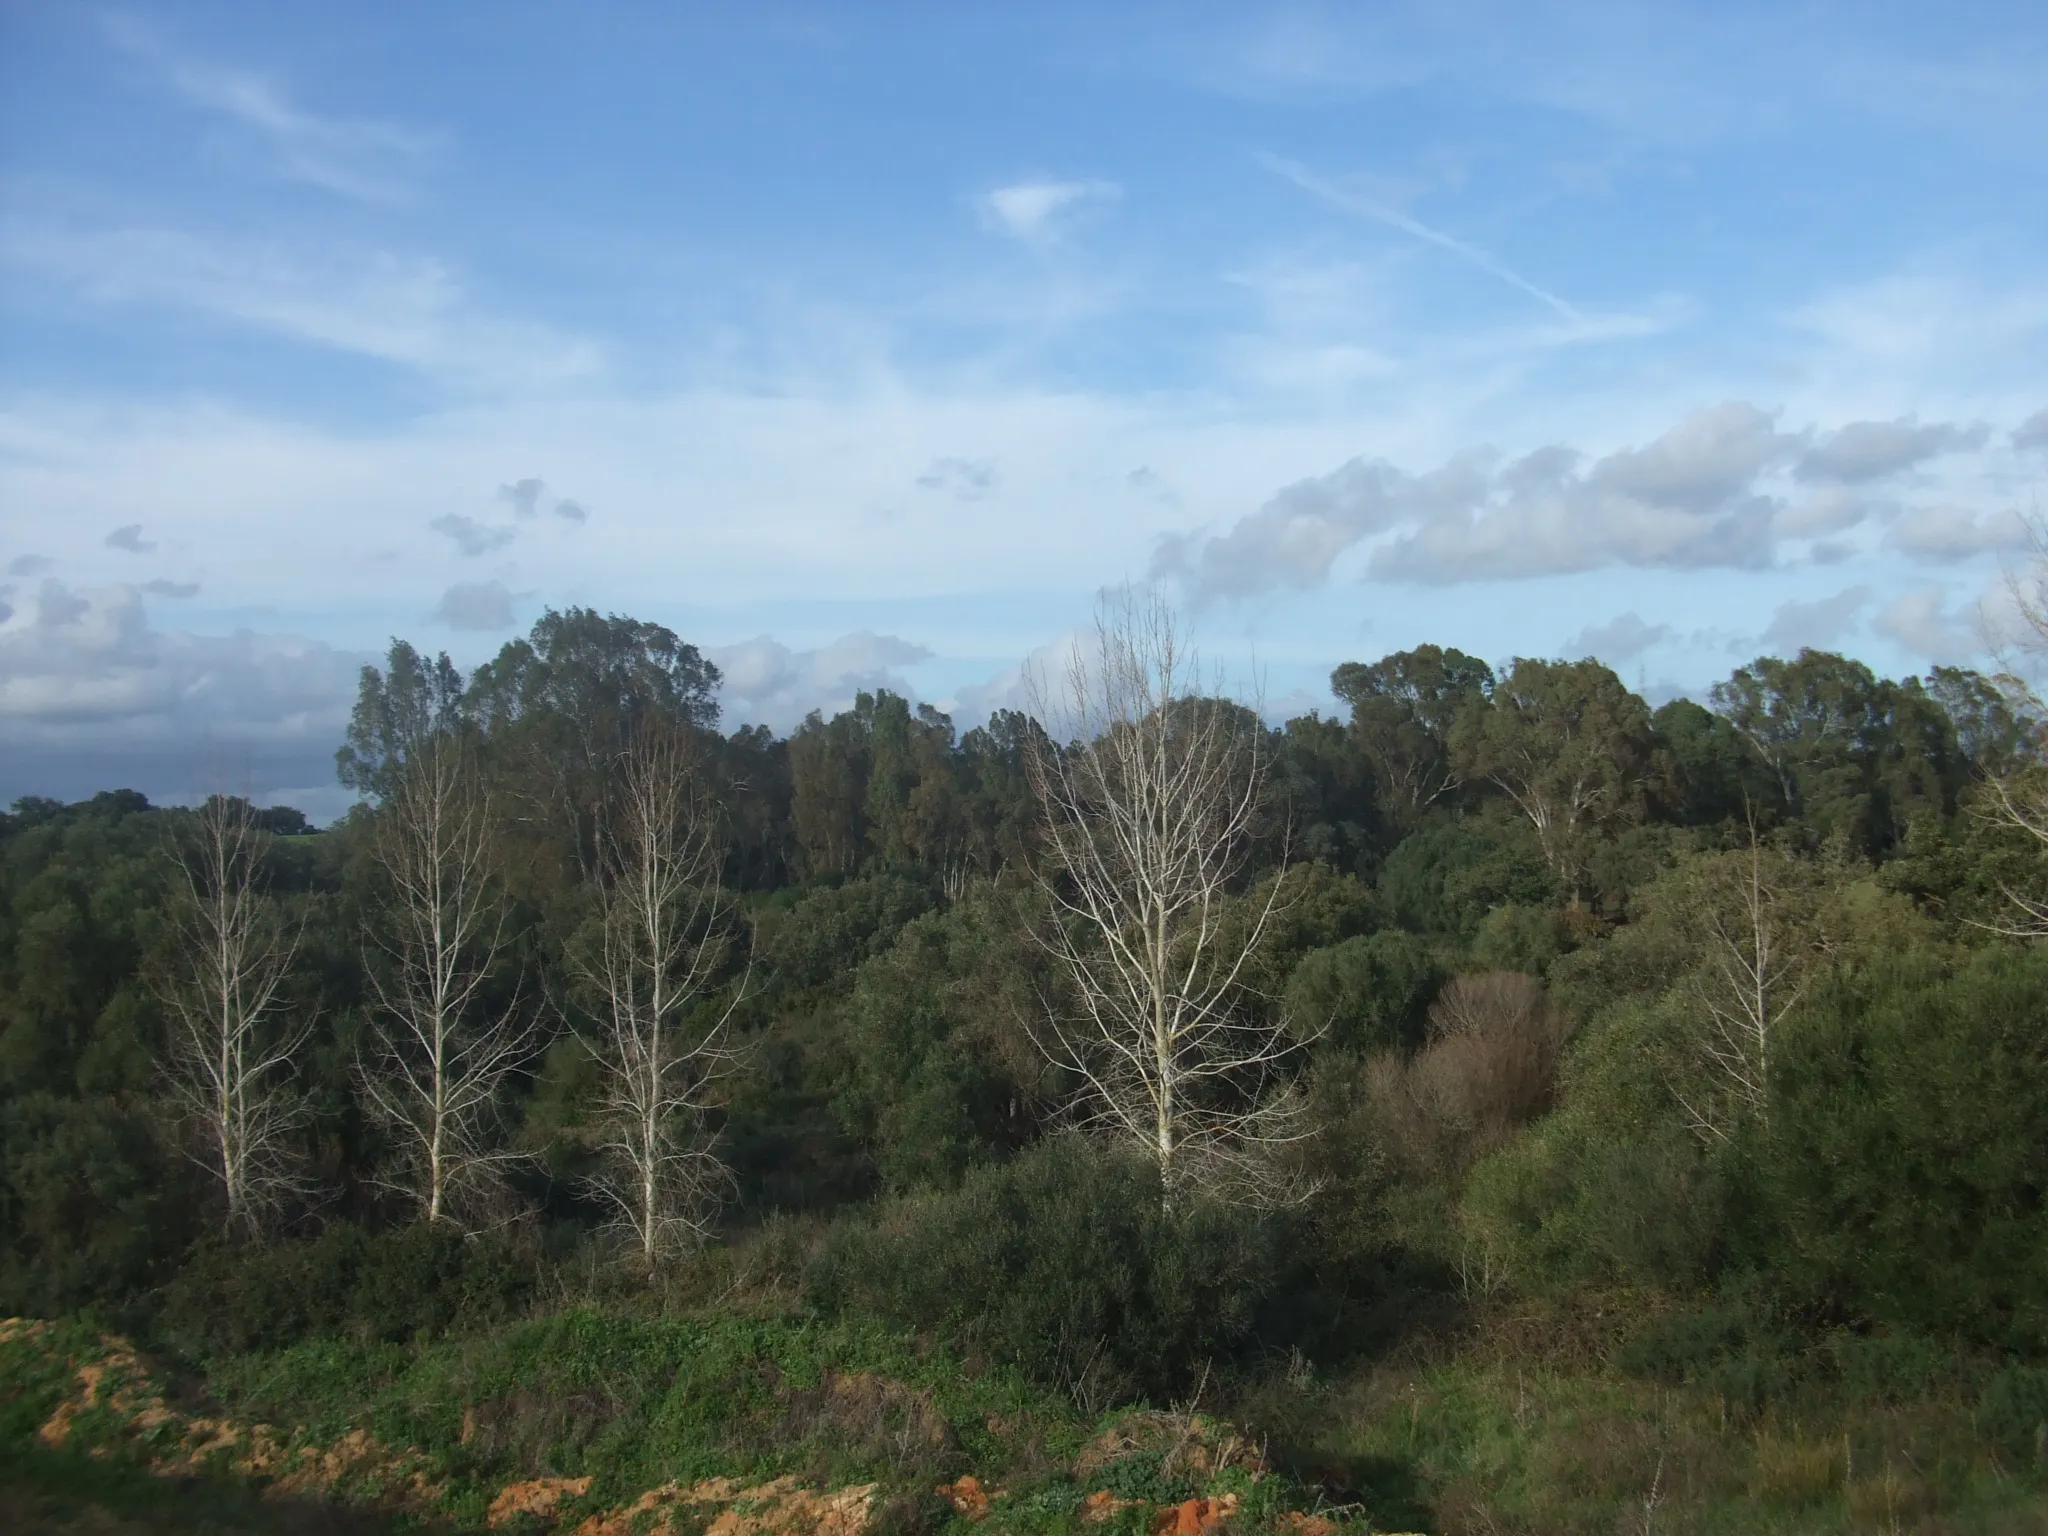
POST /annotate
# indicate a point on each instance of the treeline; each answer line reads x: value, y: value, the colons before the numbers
x: 1506, y: 983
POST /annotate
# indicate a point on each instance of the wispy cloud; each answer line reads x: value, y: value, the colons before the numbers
x: 358, y: 158
x: 1354, y: 202
x: 406, y: 310
x: 1037, y: 211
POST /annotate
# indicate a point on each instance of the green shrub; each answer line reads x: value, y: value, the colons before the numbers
x: 1370, y: 992
x: 1065, y: 1262
x: 417, y: 1282
x: 1908, y: 1150
x: 2012, y: 1413
x: 91, y: 1205
x: 1739, y: 1346
x: 1566, y: 1203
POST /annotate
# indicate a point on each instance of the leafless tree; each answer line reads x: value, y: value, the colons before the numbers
x: 1756, y: 914
x: 232, y: 1060
x: 663, y: 945
x: 1149, y: 820
x: 442, y: 1049
x: 2018, y: 799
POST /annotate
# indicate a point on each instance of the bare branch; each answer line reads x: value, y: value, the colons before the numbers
x: 439, y: 1059
x: 232, y: 1062
x: 656, y: 973
x: 1149, y: 817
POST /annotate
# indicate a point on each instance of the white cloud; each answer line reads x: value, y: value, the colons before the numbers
x: 481, y: 605
x: 1953, y: 533
x: 1872, y: 450
x: 1921, y: 623
x: 768, y: 683
x: 1687, y: 500
x: 1819, y: 624
x: 1036, y: 211
x: 407, y: 310
x: 1620, y: 639
x: 358, y: 158
x: 85, y: 667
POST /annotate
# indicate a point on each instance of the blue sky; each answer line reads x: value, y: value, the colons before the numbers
x: 864, y: 345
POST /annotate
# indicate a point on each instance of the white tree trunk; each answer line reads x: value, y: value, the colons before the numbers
x: 1149, y: 817
x: 439, y: 1061
x: 663, y: 1032
x: 232, y: 1050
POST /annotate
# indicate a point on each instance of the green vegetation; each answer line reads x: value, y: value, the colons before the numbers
x: 1662, y: 1108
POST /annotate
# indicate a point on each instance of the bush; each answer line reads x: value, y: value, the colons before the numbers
x: 1565, y: 1203
x: 1490, y: 1066
x: 1908, y: 1150
x: 90, y: 1204
x: 395, y: 1287
x: 2013, y: 1413
x: 1065, y: 1262
x: 1370, y: 992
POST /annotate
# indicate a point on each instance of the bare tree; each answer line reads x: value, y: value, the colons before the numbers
x: 232, y: 1060
x: 655, y: 969
x: 442, y: 1049
x: 2019, y: 798
x: 1149, y: 820
x: 1756, y: 914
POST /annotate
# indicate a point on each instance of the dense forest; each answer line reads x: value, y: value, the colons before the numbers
x: 1506, y: 1053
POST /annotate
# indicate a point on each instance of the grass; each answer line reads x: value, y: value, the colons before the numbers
x: 1485, y: 1431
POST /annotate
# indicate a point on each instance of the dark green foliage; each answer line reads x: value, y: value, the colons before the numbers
x: 1368, y: 992
x: 1065, y: 1262
x: 942, y: 1072
x: 1446, y: 878
x: 2013, y: 1413
x: 1738, y: 1346
x: 1571, y: 1201
x: 1908, y: 1149
x: 418, y: 1282
x: 93, y: 1206
x: 832, y: 931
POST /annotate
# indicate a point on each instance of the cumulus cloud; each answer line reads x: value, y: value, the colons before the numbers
x: 1820, y: 623
x: 572, y: 511
x: 1951, y: 533
x: 475, y: 605
x: 129, y: 537
x: 472, y: 537
x: 160, y: 587
x: 1724, y: 488
x: 1921, y: 623
x: 1686, y: 501
x: 768, y: 683
x: 967, y: 479
x: 29, y: 565
x: 86, y: 668
x: 1620, y: 639
x: 1830, y: 509
x: 1870, y: 450
x: 1035, y: 211
x: 2033, y: 432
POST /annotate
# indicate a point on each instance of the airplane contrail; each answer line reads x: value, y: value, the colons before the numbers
x: 1353, y: 202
